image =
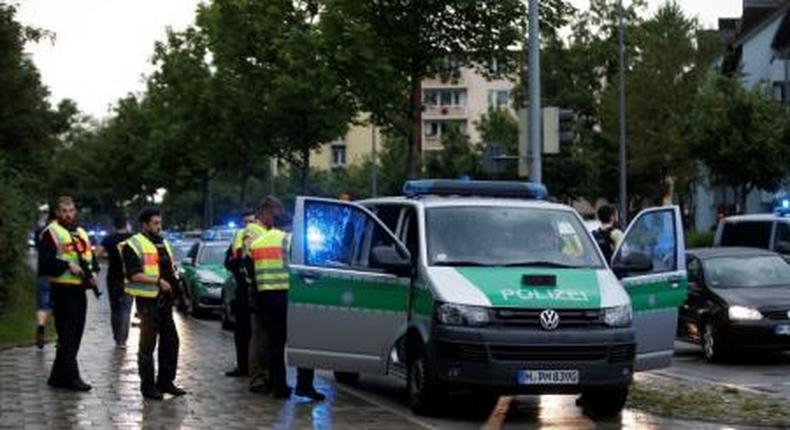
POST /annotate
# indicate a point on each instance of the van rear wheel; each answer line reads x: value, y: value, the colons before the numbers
x: 348, y: 378
x: 425, y: 392
x: 605, y: 401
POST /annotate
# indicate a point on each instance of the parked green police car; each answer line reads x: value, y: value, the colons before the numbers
x: 204, y: 274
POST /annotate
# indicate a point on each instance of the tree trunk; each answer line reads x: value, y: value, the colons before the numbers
x: 743, y: 195
x: 415, y: 136
x: 208, y: 212
x: 305, y: 170
x: 245, y: 180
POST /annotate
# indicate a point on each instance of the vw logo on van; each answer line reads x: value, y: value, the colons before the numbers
x: 549, y: 319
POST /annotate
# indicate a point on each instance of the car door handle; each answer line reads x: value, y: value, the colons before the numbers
x: 309, y: 278
x: 674, y: 282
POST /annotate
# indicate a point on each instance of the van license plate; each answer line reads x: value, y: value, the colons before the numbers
x: 548, y: 377
x: 782, y: 330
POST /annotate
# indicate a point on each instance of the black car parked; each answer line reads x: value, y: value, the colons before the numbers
x: 739, y: 298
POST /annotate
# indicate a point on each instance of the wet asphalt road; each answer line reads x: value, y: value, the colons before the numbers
x: 215, y: 401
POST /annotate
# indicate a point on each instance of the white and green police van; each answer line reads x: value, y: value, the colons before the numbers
x: 483, y: 286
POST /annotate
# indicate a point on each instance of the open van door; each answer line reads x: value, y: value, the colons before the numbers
x: 349, y: 287
x: 651, y: 264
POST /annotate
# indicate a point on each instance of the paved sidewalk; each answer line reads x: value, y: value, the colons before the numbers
x: 214, y: 401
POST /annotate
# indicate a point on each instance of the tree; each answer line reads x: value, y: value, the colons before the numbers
x: 499, y: 128
x: 188, y: 131
x: 457, y: 158
x: 674, y: 54
x: 386, y: 48
x: 741, y: 136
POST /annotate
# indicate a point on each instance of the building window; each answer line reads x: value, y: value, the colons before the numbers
x: 445, y: 98
x: 499, y: 98
x: 435, y: 129
x: 779, y: 92
x: 338, y: 155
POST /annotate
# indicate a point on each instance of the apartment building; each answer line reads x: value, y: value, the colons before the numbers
x: 461, y: 102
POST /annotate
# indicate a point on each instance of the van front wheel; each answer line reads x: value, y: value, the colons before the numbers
x: 425, y: 392
x: 606, y: 401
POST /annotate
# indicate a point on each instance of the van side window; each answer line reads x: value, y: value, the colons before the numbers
x: 333, y: 234
x: 411, y: 235
x: 755, y: 234
x: 652, y: 235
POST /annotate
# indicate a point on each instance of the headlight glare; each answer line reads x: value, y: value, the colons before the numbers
x: 743, y: 313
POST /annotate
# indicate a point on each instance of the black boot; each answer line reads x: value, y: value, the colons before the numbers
x: 170, y: 388
x: 150, y: 392
x: 235, y: 373
x: 40, y: 336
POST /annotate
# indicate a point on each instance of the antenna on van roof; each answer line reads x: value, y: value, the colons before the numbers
x: 452, y: 187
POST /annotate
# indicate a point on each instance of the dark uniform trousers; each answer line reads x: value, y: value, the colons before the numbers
x: 68, y: 307
x: 156, y: 320
x: 274, y: 305
x: 242, y: 330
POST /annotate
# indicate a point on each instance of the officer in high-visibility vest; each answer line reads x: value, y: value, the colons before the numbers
x: 268, y: 255
x: 234, y: 262
x: 150, y: 279
x: 65, y: 257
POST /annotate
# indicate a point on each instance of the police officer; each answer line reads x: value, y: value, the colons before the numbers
x: 63, y: 244
x: 268, y: 255
x: 234, y: 262
x: 150, y: 279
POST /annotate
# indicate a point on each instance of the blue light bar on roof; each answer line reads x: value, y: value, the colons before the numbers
x: 450, y: 187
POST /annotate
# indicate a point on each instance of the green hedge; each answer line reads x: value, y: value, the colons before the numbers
x: 16, y: 215
x: 699, y: 239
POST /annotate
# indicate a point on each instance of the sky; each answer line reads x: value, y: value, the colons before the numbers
x: 103, y: 48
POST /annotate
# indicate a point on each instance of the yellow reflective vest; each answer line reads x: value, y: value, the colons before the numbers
x: 268, y: 256
x: 241, y: 244
x: 68, y: 250
x: 149, y: 257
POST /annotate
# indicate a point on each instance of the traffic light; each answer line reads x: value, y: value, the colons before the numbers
x: 567, y: 128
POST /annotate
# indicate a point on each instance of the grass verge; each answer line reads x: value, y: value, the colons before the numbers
x: 17, y: 314
x: 707, y: 402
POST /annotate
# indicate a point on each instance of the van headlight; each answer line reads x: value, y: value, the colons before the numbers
x: 618, y: 316
x: 462, y: 315
x: 743, y: 313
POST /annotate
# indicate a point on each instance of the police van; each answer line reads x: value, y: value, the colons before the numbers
x: 484, y: 286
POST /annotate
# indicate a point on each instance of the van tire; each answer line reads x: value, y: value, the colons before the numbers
x: 348, y: 378
x: 425, y: 392
x: 605, y: 401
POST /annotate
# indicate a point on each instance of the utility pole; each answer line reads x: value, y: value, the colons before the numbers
x: 374, y: 185
x: 623, y: 190
x: 535, y: 173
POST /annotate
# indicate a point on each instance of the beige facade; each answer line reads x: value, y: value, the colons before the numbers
x: 462, y: 102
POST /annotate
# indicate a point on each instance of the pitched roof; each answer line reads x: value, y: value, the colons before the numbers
x: 755, y: 19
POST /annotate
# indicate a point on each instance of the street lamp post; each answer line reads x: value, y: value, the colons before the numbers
x: 374, y: 166
x: 621, y: 43
x: 535, y: 173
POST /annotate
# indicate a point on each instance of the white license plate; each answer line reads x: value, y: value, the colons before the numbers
x: 548, y: 377
x: 782, y: 330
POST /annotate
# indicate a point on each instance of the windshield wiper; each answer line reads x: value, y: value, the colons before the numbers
x: 534, y: 263
x: 459, y: 263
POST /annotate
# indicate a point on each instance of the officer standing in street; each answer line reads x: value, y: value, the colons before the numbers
x: 120, y: 302
x: 150, y: 279
x: 66, y: 258
x: 234, y: 262
x: 268, y: 255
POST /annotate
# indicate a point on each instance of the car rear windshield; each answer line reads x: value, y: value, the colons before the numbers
x: 508, y: 236
x: 212, y: 255
x: 753, y: 234
x: 743, y: 272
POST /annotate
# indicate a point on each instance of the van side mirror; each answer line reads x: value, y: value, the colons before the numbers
x: 392, y: 260
x: 633, y: 263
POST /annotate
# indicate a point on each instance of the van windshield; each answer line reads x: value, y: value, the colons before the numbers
x: 508, y: 236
